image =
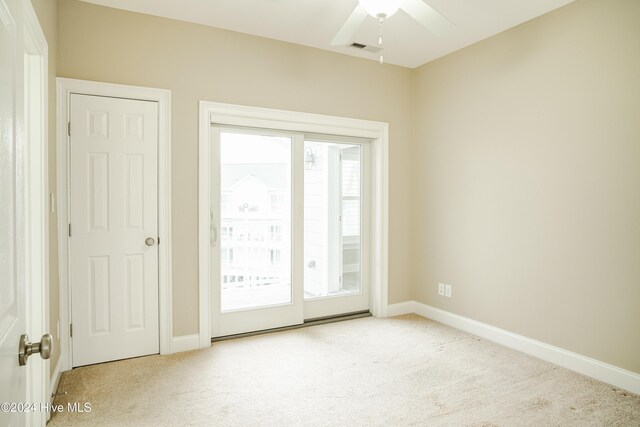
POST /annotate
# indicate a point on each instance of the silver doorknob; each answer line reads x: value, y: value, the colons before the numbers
x: 149, y: 241
x: 26, y: 348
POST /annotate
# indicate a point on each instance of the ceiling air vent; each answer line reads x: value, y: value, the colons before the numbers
x: 361, y: 46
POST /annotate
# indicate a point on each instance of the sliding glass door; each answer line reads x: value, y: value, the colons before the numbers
x: 288, y: 228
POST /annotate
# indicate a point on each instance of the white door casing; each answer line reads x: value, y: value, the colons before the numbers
x: 113, y: 210
x: 65, y: 89
x: 217, y: 114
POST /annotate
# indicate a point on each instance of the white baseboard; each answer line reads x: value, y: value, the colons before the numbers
x: 185, y: 343
x: 593, y: 368
x: 401, y: 308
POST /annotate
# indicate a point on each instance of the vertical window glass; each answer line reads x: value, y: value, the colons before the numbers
x: 255, y: 184
x: 332, y: 223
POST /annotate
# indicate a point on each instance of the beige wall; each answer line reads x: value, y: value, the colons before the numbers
x: 46, y: 11
x: 528, y: 175
x: 202, y: 63
x: 514, y: 162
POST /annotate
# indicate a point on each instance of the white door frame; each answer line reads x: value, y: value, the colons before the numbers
x: 66, y: 87
x: 239, y: 115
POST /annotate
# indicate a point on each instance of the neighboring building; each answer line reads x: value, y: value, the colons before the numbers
x: 256, y: 223
x: 255, y: 220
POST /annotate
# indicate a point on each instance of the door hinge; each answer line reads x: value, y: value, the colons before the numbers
x: 71, y: 330
x: 158, y: 240
x: 69, y: 128
x: 69, y: 230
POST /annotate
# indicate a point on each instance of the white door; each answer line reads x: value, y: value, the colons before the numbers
x: 22, y: 225
x: 113, y: 228
x: 12, y: 228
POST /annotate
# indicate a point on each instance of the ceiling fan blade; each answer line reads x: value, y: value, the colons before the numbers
x: 430, y: 18
x: 348, y: 30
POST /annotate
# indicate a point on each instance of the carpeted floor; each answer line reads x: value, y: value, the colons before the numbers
x: 367, y: 372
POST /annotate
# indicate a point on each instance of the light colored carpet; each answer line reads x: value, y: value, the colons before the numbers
x: 366, y: 372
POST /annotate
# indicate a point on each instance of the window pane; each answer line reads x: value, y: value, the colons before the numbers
x: 255, y: 224
x: 332, y: 192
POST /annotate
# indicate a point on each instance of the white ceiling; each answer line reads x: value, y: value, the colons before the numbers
x: 315, y: 22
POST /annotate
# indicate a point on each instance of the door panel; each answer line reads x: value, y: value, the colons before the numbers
x: 114, y: 274
x: 134, y: 291
x: 254, y: 276
x: 335, y: 188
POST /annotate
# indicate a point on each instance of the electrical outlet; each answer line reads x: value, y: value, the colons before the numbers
x: 441, y: 289
x: 447, y: 291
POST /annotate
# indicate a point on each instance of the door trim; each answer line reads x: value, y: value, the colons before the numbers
x: 65, y: 87
x: 239, y: 115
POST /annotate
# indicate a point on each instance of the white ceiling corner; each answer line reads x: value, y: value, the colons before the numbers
x: 315, y: 22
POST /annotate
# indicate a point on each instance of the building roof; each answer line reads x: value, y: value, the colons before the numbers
x: 272, y: 175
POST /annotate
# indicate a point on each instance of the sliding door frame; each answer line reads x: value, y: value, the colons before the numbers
x: 219, y: 114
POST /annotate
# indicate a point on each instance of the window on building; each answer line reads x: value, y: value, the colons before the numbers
x: 226, y: 255
x: 225, y: 203
x: 350, y: 196
x: 227, y: 232
x: 274, y: 255
x: 275, y: 232
x: 277, y: 202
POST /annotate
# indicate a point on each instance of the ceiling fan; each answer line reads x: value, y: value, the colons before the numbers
x: 427, y: 16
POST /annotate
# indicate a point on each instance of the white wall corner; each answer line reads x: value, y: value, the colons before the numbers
x: 406, y: 307
x: 573, y: 361
x: 185, y: 343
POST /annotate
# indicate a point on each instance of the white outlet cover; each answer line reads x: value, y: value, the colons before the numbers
x: 447, y: 291
x: 441, y: 288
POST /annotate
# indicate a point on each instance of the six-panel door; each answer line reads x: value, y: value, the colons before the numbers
x: 113, y: 211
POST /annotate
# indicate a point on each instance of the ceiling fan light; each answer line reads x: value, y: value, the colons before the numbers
x: 381, y: 8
